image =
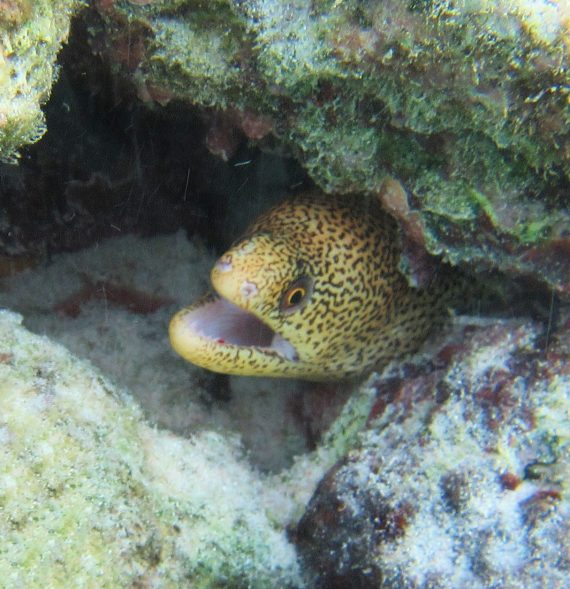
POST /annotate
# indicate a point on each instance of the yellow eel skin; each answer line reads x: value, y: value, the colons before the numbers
x: 312, y: 291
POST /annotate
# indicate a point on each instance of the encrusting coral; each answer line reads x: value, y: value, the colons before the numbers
x: 462, y: 478
x: 31, y: 35
x: 465, y: 103
x: 90, y: 494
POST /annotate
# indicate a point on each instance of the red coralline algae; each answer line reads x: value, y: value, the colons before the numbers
x: 133, y: 300
x: 161, y: 95
x: 445, y: 489
x: 105, y: 6
x: 229, y: 128
x: 254, y: 126
x: 510, y: 481
x: 129, y: 50
x: 223, y: 136
x: 554, y: 255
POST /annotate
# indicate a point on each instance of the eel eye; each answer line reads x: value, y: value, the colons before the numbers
x: 296, y: 295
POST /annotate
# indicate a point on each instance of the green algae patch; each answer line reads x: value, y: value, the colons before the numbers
x: 66, y: 470
x: 31, y: 35
x: 91, y: 496
x: 465, y: 103
x: 206, y: 74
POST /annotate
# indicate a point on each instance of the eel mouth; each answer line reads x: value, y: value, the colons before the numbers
x: 220, y: 321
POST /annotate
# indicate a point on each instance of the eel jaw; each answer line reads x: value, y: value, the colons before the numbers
x: 214, y: 332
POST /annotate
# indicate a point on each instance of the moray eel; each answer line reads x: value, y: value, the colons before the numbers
x: 313, y: 291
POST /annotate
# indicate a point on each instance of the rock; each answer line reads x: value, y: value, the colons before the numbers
x: 31, y: 35
x: 91, y: 495
x: 465, y: 104
x: 461, y: 479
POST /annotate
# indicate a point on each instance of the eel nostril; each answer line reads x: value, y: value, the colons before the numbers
x: 248, y: 289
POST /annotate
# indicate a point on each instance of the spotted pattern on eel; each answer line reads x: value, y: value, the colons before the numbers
x: 313, y: 291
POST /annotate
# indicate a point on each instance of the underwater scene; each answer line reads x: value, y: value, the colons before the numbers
x: 285, y: 294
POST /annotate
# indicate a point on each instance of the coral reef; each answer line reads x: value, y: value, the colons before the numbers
x: 467, y: 446
x: 457, y: 115
x: 465, y: 103
x: 31, y: 35
x: 461, y: 479
x: 91, y: 493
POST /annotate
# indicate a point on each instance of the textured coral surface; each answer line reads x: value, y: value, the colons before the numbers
x: 466, y: 103
x: 461, y: 479
x: 31, y: 34
x: 93, y: 497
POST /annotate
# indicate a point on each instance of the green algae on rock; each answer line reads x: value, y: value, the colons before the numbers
x: 466, y: 103
x: 31, y: 35
x: 90, y: 494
